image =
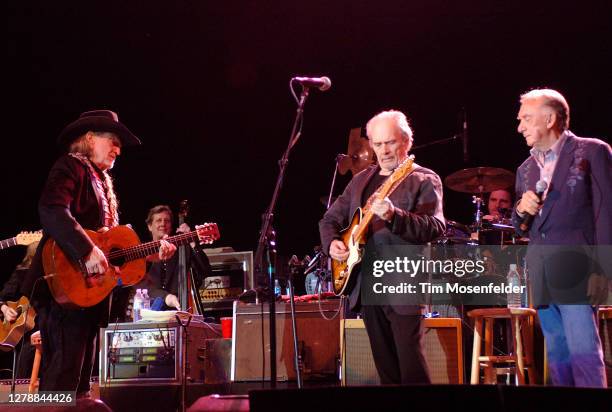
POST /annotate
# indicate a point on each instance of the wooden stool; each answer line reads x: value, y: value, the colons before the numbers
x: 604, y: 312
x: 518, y: 359
x: 604, y: 316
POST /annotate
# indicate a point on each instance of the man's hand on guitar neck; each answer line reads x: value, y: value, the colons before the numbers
x: 384, y: 209
x: 166, y: 251
x: 10, y: 314
x: 184, y: 228
x: 338, y: 250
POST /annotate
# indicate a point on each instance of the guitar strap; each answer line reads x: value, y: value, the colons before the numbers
x: 395, y: 185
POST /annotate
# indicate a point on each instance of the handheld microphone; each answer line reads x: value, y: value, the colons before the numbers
x: 541, y: 187
x: 321, y: 83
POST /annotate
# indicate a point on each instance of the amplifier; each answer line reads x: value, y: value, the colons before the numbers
x: 232, y: 274
x: 153, y: 352
x: 442, y: 342
x: 318, y: 327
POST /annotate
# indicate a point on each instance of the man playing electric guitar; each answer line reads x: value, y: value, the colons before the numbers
x: 412, y: 215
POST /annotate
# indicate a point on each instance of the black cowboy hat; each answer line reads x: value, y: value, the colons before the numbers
x: 97, y: 121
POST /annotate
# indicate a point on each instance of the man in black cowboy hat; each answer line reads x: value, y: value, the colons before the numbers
x: 78, y: 195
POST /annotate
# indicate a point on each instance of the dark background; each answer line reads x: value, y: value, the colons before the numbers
x: 204, y: 84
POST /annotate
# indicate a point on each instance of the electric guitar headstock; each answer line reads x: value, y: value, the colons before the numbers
x: 27, y: 238
x: 403, y: 169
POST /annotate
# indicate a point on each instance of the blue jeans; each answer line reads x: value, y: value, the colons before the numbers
x: 573, y: 347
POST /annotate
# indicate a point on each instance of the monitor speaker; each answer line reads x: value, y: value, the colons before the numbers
x: 442, y: 343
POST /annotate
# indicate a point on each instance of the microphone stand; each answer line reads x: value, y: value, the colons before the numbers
x: 333, y: 183
x: 463, y: 136
x: 266, y: 245
x: 293, y: 269
x: 440, y: 141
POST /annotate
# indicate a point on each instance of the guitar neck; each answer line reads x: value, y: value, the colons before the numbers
x: 150, y: 248
x: 381, y: 193
x: 6, y: 243
x: 385, y: 190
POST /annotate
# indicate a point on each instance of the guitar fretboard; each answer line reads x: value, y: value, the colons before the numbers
x: 151, y: 248
x: 8, y: 243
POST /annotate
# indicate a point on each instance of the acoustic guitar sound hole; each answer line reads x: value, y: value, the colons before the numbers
x: 118, y: 261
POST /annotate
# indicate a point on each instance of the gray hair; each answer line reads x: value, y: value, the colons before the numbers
x: 400, y: 120
x: 555, y: 101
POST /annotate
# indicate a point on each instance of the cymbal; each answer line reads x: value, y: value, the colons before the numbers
x: 480, y: 180
x: 359, y: 154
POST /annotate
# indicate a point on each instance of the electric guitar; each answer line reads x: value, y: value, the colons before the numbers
x: 71, y: 285
x: 23, y: 238
x: 354, y: 236
x: 12, y: 332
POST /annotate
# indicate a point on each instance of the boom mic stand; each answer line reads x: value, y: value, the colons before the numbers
x: 439, y: 141
x: 266, y: 246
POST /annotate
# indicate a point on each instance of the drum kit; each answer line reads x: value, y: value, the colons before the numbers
x: 490, y: 234
x: 496, y: 229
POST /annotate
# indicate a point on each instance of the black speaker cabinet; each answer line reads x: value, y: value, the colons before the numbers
x: 442, y: 343
x: 318, y: 338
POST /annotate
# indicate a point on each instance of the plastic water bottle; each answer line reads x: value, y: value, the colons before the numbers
x: 146, y: 300
x: 514, y: 281
x: 277, y: 288
x: 311, y: 283
x: 138, y: 301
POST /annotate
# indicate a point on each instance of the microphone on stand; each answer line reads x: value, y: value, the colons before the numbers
x: 541, y: 187
x: 321, y: 83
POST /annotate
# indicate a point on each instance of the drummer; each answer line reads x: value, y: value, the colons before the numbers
x: 499, y: 205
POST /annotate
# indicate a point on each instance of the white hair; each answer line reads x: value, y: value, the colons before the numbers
x: 553, y: 99
x: 400, y: 120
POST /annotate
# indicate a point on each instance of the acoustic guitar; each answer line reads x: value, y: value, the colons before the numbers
x: 23, y: 239
x: 354, y: 236
x: 12, y: 332
x: 71, y: 285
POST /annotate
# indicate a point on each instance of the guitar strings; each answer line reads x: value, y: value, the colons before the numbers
x: 150, y: 246
x: 145, y: 249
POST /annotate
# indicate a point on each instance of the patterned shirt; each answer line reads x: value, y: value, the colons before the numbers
x: 547, y: 160
x: 110, y: 219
